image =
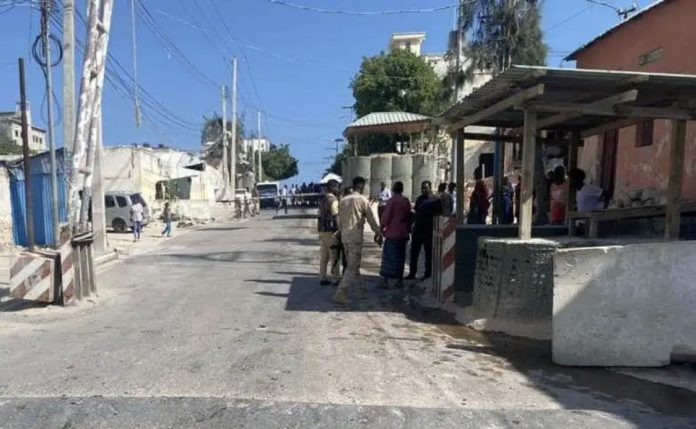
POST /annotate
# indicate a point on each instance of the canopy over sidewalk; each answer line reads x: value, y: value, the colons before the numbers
x: 525, y: 100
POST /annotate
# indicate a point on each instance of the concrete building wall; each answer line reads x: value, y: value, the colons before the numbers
x: 659, y: 41
x: 627, y: 305
x: 140, y: 169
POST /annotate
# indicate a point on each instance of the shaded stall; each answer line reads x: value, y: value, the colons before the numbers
x: 525, y: 101
x: 531, y: 105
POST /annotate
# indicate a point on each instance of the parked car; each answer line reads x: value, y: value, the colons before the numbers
x: 118, y: 207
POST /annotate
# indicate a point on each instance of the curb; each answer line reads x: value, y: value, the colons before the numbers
x: 104, y: 259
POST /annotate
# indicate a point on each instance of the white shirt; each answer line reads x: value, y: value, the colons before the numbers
x: 384, y: 196
x: 589, y: 198
x: 137, y: 212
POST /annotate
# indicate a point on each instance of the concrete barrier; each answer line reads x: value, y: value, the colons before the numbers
x: 467, y: 251
x: 632, y: 305
x: 513, y: 287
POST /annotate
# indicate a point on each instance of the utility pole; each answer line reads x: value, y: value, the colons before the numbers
x: 233, y: 163
x: 98, y: 205
x: 28, y: 201
x: 82, y: 162
x: 68, y: 77
x: 258, y: 128
x: 46, y: 42
x: 224, y: 139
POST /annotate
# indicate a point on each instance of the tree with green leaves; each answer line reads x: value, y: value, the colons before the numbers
x: 278, y: 164
x: 8, y: 147
x: 211, y: 139
x: 500, y: 33
x: 398, y: 81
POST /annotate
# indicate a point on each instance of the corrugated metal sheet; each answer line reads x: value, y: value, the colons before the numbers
x: 562, y: 85
x: 41, y: 193
x: 388, y: 118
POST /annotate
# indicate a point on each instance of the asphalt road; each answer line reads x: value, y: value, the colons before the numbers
x: 227, y: 326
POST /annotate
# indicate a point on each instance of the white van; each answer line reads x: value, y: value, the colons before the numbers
x: 118, y: 207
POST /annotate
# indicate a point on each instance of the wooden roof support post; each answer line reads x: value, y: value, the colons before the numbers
x: 461, y: 174
x: 676, y: 178
x: 572, y: 164
x: 527, y: 188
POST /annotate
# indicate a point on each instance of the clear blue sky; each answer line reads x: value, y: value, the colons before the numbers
x: 294, y: 65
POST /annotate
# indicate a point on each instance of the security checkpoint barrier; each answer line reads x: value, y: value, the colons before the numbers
x: 444, y: 240
x: 32, y: 277
x: 59, y: 277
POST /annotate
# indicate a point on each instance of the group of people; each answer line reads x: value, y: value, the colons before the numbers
x: 342, y: 220
x: 341, y: 231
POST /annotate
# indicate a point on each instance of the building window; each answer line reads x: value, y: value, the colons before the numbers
x: 644, y: 133
x: 16, y: 133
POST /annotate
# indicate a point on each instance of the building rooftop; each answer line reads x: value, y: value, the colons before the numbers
x: 381, y: 122
x: 632, y: 18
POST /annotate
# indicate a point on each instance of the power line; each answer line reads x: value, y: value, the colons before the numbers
x: 569, y: 18
x: 365, y: 13
x: 123, y: 83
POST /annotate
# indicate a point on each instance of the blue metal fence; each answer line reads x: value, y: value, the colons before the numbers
x: 41, y: 198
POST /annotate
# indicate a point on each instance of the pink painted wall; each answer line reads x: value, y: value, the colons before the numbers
x: 672, y: 28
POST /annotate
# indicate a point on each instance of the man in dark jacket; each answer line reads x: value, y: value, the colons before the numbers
x: 426, y: 208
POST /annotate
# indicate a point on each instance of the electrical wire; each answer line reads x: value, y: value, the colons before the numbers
x: 122, y: 82
x: 365, y: 13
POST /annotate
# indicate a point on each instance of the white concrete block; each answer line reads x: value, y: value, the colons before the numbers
x: 630, y: 305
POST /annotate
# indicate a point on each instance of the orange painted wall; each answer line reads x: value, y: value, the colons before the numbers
x: 672, y: 28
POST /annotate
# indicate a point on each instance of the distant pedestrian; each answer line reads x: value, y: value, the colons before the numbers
x: 426, y: 207
x: 353, y: 211
x: 328, y: 229
x: 479, y: 201
x: 558, y: 193
x: 507, y: 214
x: 452, y: 188
x: 445, y: 200
x: 167, y: 219
x: 284, y: 198
x: 137, y: 213
x: 396, y: 226
x: 384, y: 195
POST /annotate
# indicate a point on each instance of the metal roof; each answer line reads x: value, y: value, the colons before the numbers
x: 655, y: 90
x: 630, y: 19
x: 388, y: 122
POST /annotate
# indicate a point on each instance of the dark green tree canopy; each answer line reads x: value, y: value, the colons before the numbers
x: 398, y: 81
x: 278, y: 163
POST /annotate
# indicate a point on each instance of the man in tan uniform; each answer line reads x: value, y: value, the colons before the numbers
x: 328, y: 228
x: 353, y: 211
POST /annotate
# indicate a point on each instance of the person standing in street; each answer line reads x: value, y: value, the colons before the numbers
x: 426, y: 208
x: 396, y: 225
x: 167, y: 219
x: 353, y: 211
x: 137, y: 215
x: 328, y: 229
x: 384, y: 196
x: 558, y: 193
x: 284, y: 198
x: 445, y: 200
x: 479, y: 201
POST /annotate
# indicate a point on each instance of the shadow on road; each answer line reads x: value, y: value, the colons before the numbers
x: 297, y: 241
x: 532, y: 358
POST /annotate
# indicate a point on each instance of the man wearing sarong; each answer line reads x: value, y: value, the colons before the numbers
x: 353, y: 211
x: 395, y: 223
